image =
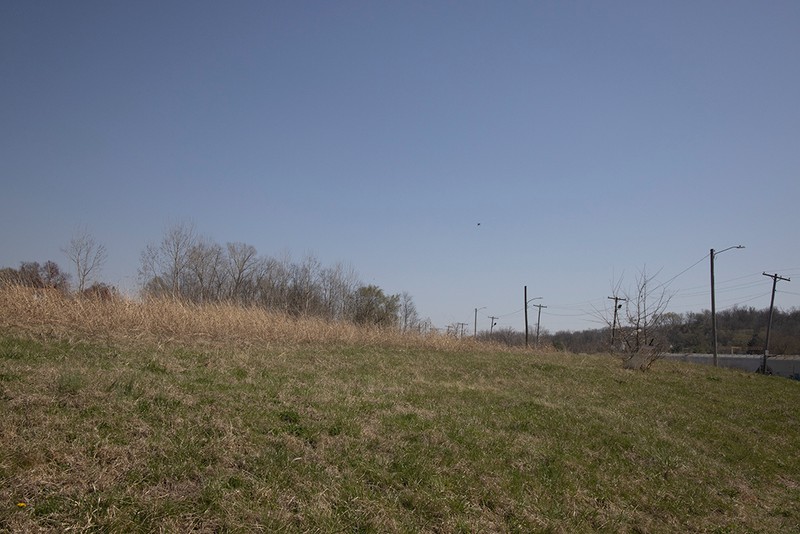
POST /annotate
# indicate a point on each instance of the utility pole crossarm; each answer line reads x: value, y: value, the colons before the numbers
x: 777, y: 277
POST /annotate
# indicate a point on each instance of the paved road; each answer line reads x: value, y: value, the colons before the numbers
x: 788, y: 366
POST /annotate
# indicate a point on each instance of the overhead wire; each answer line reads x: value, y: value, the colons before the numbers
x: 668, y: 282
x: 684, y: 294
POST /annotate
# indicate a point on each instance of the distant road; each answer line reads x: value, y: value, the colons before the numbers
x: 788, y: 366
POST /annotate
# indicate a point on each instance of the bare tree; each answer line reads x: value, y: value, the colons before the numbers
x: 242, y: 262
x: 87, y: 256
x: 304, y: 289
x: 642, y: 326
x: 273, y: 284
x: 205, y: 271
x: 408, y: 312
x: 164, y: 265
x: 337, y: 285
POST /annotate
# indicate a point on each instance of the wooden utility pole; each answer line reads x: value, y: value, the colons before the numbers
x: 617, y: 306
x: 538, y: 321
x: 525, y: 301
x: 491, y: 325
x: 775, y: 279
x: 462, y: 325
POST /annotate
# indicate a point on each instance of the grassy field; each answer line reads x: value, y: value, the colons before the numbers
x: 180, y: 428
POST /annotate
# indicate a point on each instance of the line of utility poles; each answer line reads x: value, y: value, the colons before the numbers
x: 775, y: 279
x: 617, y: 306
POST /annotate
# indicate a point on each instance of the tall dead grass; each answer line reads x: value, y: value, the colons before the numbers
x: 48, y: 314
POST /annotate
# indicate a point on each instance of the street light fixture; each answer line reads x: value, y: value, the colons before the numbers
x: 713, y: 302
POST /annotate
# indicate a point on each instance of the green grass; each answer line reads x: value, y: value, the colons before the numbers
x: 100, y: 438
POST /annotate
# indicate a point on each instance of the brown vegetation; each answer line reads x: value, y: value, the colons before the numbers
x: 48, y: 314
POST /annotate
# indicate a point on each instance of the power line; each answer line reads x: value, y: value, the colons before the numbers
x: 668, y: 282
x: 583, y: 314
x: 681, y: 294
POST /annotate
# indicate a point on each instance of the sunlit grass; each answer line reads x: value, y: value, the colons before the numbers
x: 134, y: 434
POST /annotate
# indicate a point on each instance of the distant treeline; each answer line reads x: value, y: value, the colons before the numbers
x: 212, y: 274
x: 183, y: 265
x: 195, y: 269
x: 32, y: 274
x: 739, y: 331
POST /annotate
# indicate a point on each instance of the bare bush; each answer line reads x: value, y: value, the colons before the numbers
x: 641, y: 327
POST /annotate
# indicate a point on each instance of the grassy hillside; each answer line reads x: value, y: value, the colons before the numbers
x: 373, y: 434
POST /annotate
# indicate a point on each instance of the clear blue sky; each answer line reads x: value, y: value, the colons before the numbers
x: 588, y: 139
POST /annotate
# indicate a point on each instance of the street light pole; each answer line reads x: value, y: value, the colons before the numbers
x: 713, y: 302
x: 525, y: 299
x: 713, y: 312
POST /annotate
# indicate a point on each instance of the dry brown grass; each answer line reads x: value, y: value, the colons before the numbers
x: 46, y: 314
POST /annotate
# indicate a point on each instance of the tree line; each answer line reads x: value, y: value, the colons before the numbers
x: 186, y: 266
